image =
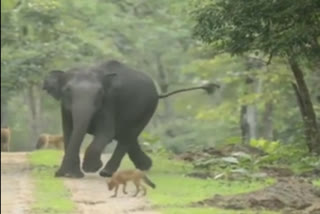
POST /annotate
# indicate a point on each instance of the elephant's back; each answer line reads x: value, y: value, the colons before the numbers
x: 130, y: 81
x: 134, y: 91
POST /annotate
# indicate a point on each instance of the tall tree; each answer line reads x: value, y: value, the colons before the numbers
x: 284, y: 28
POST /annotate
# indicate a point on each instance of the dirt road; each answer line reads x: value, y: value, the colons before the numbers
x: 90, y: 193
x: 92, y: 196
x: 16, y: 185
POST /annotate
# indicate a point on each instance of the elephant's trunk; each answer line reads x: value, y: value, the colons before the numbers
x: 81, y: 120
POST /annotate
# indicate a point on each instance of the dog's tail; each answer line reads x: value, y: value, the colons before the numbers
x: 149, y: 182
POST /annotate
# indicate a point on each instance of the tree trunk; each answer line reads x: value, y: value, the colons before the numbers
x: 267, y: 127
x: 164, y: 86
x: 312, y: 132
x: 252, y: 121
x: 33, y: 100
x: 244, y: 126
x: 248, y: 115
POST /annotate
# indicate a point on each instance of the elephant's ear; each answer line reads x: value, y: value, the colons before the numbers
x: 53, y: 83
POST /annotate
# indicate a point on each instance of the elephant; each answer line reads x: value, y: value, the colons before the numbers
x: 110, y: 101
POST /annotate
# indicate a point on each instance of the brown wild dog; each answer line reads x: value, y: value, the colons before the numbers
x: 5, y: 138
x: 123, y: 176
x: 47, y: 140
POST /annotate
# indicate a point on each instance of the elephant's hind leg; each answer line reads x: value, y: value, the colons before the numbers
x: 139, y: 158
x: 127, y: 143
x: 127, y: 138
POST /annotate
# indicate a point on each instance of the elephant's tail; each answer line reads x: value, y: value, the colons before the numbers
x: 148, y: 181
x: 209, y: 88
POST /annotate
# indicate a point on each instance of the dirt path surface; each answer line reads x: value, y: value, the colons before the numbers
x: 16, y: 186
x: 90, y: 193
x: 92, y: 196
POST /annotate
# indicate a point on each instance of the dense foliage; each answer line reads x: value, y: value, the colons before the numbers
x: 283, y: 29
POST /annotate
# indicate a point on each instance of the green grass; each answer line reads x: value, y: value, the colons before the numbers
x: 173, y: 194
x: 317, y: 182
x: 50, y: 194
x: 175, y: 191
x: 180, y: 190
x: 207, y: 210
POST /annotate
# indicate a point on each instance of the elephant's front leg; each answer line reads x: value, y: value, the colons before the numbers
x: 70, y: 166
x: 92, y: 158
x: 103, y: 134
x: 115, y: 160
x: 66, y: 127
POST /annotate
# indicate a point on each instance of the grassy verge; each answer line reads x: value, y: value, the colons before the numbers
x: 207, y: 210
x: 51, y: 197
x: 175, y: 192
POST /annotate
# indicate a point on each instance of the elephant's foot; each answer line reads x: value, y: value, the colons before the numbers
x: 92, y: 161
x: 111, y: 167
x: 144, y: 165
x: 71, y: 172
x: 142, y: 162
x: 70, y: 168
x: 105, y: 173
x: 92, y: 165
x: 140, y: 159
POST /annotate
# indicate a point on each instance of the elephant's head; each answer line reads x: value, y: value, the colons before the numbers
x: 79, y: 89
